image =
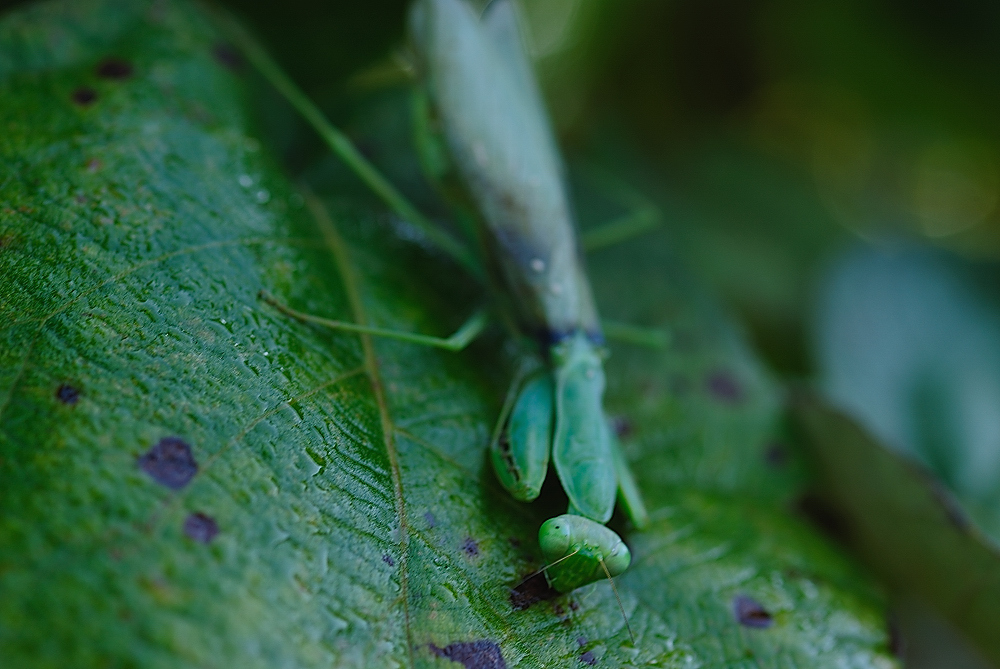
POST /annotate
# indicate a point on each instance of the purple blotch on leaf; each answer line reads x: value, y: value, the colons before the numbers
x: 587, y: 657
x: 67, y: 394
x: 200, y: 527
x: 470, y: 547
x: 534, y: 588
x: 622, y: 426
x: 751, y: 613
x: 169, y: 462
x: 431, y: 520
x: 776, y: 455
x: 482, y: 654
x: 228, y: 56
x: 84, y: 96
x: 388, y: 560
x: 724, y: 386
x: 114, y: 68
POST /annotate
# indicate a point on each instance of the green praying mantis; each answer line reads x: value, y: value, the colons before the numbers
x: 479, y: 82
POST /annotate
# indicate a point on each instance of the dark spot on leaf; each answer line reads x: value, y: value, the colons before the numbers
x: 776, y: 455
x: 514, y: 541
x: 622, y: 426
x: 169, y: 462
x: 559, y: 611
x: 587, y: 657
x: 228, y: 56
x: 581, y: 641
x: 200, y: 527
x: 483, y: 654
x: 724, y: 387
x: 84, y: 96
x: 93, y: 165
x: 824, y: 516
x: 573, y: 606
x: 114, y: 68
x: 431, y: 520
x: 388, y: 560
x: 67, y: 394
x: 470, y: 547
x: 531, y: 590
x: 750, y: 613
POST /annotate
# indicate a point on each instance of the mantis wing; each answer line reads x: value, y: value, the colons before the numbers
x: 499, y: 135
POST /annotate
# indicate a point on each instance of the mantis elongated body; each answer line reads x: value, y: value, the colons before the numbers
x: 497, y: 132
x: 480, y: 83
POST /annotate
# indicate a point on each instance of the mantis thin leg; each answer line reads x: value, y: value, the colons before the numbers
x: 550, y: 565
x: 621, y: 229
x: 465, y: 334
x: 621, y: 608
x: 643, y: 216
x: 342, y: 147
x: 634, y: 334
x: 628, y: 491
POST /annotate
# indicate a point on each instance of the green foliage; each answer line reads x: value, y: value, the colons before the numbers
x: 905, y: 525
x: 908, y: 345
x: 342, y: 512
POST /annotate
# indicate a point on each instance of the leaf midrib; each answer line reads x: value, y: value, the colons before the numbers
x: 345, y: 269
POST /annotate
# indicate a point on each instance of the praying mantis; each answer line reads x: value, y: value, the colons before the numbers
x: 478, y: 80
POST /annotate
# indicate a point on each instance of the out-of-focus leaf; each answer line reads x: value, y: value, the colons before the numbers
x: 906, y: 525
x: 192, y: 479
x: 908, y: 341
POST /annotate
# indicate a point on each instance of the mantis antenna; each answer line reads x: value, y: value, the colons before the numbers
x: 614, y: 588
x: 551, y: 564
x: 621, y: 608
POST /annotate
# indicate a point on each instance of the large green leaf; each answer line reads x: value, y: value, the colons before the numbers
x: 190, y: 478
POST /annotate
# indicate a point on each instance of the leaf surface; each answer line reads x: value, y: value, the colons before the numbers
x: 191, y: 478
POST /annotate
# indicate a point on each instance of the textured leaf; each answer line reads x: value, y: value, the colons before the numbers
x: 191, y: 478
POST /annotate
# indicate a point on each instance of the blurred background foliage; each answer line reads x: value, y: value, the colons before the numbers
x: 819, y: 165
x: 774, y: 133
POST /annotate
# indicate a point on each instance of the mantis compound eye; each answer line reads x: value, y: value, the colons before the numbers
x: 618, y: 559
x: 554, y: 538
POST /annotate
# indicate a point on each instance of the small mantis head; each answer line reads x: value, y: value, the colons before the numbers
x: 589, y: 542
x: 581, y: 551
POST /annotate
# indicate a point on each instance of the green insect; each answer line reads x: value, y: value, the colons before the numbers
x: 480, y: 84
x: 478, y: 81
